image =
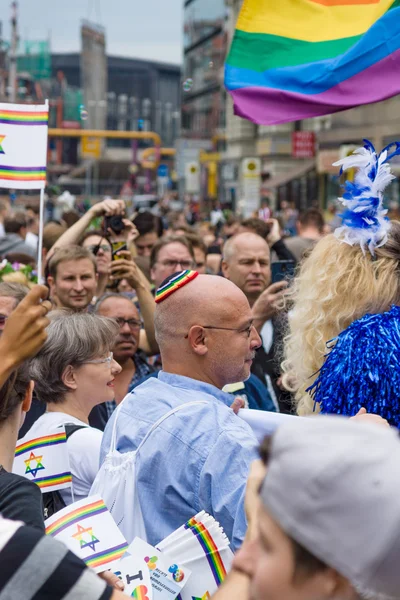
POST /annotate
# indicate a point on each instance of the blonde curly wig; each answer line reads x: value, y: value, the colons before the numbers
x: 336, y: 285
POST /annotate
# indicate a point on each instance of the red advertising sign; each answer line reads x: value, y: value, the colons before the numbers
x: 303, y: 144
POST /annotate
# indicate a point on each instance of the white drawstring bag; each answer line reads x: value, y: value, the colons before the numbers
x: 116, y: 481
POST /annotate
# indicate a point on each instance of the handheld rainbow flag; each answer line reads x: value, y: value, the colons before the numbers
x: 23, y: 145
x: 202, y: 546
x: 44, y: 461
x: 89, y: 530
x: 298, y: 59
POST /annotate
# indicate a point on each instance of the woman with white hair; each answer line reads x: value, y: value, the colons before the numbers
x: 73, y: 372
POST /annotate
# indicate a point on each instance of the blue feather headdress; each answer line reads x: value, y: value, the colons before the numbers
x: 364, y: 220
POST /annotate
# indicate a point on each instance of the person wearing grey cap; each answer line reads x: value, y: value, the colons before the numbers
x: 326, y: 521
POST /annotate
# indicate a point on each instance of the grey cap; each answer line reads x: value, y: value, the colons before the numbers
x: 333, y: 485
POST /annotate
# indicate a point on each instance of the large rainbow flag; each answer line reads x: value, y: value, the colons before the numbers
x: 296, y: 59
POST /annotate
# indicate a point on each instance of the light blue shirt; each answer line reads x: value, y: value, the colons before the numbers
x: 197, y: 459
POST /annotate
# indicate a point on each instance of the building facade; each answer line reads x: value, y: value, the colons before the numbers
x: 203, y: 94
x: 142, y: 95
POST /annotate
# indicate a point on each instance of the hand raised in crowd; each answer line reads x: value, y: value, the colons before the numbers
x: 126, y: 268
x: 275, y: 232
x: 130, y: 233
x: 25, y: 330
x: 108, y: 208
x: 269, y: 303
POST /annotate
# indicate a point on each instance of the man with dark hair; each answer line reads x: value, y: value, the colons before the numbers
x: 11, y: 294
x: 16, y: 228
x: 200, y: 252
x: 325, y: 522
x: 310, y: 227
x: 72, y: 278
x: 170, y: 255
x: 126, y: 348
x: 150, y: 229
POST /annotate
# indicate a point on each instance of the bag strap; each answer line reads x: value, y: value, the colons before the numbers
x: 70, y: 429
x: 154, y: 426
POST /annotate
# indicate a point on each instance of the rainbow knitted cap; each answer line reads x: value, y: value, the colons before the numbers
x: 173, y: 283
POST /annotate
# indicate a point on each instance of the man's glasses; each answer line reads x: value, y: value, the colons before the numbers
x: 100, y: 361
x: 95, y: 249
x: 133, y: 323
x: 246, y: 330
x: 185, y: 264
x: 3, y: 319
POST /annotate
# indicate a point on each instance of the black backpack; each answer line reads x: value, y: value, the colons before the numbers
x: 53, y: 501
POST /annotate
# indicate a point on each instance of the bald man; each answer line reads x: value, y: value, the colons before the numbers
x: 198, y: 458
x: 246, y: 262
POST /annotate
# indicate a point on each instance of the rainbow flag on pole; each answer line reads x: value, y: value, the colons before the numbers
x: 296, y: 59
x: 23, y: 145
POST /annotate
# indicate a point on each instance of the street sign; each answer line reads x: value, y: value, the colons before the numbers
x: 162, y: 171
x: 91, y: 147
x: 192, y: 177
x: 251, y: 186
x: 303, y: 144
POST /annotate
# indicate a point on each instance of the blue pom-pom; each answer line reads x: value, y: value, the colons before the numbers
x: 363, y: 369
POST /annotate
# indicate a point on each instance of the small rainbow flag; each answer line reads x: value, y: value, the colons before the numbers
x: 95, y: 508
x: 210, y: 549
x: 296, y: 59
x: 89, y: 530
x: 23, y: 135
x: 174, y: 283
x: 45, y: 461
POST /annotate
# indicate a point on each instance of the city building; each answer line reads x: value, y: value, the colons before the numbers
x: 203, y: 93
x: 141, y: 94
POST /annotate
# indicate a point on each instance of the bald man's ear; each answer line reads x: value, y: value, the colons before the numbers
x: 225, y: 269
x: 197, y: 341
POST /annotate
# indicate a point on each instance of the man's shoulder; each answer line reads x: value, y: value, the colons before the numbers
x: 198, y: 415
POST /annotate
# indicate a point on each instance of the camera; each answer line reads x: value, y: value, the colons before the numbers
x: 115, y: 223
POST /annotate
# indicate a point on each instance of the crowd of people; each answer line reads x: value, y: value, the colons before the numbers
x: 149, y: 336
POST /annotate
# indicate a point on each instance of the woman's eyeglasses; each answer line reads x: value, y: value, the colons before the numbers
x: 100, y: 361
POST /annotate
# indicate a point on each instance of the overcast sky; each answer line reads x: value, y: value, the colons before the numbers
x: 149, y: 29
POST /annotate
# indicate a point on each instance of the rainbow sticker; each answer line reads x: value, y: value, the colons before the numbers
x: 210, y: 549
x: 140, y: 593
x: 174, y: 283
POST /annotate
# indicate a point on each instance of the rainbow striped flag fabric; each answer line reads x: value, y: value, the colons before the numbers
x: 89, y: 530
x: 44, y: 461
x: 296, y: 59
x: 23, y: 145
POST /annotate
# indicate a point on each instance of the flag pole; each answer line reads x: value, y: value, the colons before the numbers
x: 40, y: 242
